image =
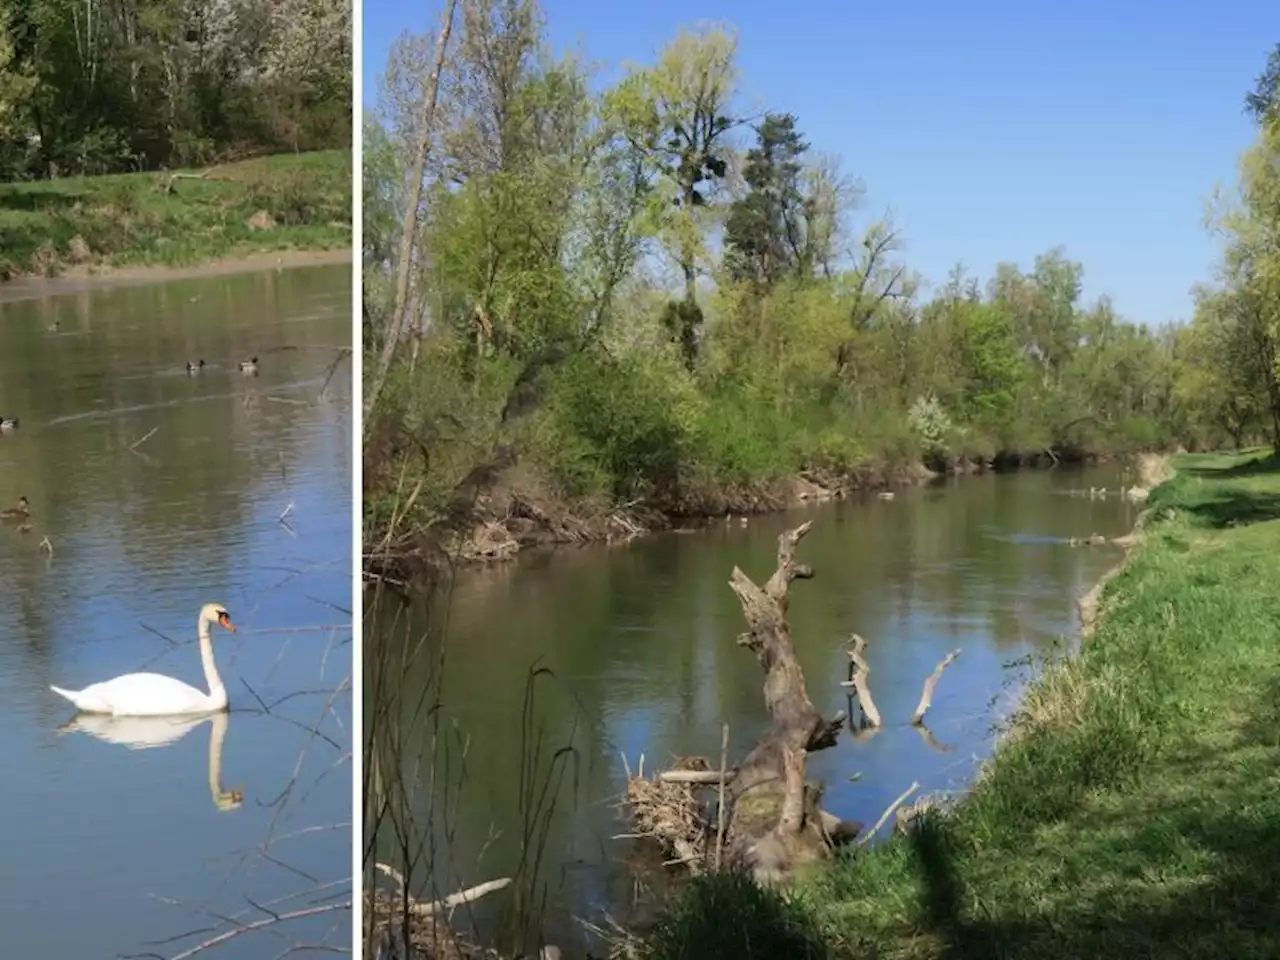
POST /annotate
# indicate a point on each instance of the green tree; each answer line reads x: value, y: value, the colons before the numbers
x: 1219, y: 394
x: 1247, y: 302
x: 987, y: 351
x: 767, y: 234
x: 112, y: 85
x: 677, y: 115
x: 16, y: 79
x: 1263, y: 101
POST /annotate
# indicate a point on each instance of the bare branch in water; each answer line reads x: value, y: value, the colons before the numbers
x: 859, y: 670
x: 902, y: 798
x: 143, y: 439
x: 467, y: 896
x: 244, y: 928
x: 931, y: 685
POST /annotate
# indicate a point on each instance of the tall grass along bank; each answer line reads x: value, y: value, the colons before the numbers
x: 1133, y: 812
x: 288, y: 202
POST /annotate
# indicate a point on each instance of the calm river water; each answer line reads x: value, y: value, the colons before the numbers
x: 640, y: 639
x: 154, y: 492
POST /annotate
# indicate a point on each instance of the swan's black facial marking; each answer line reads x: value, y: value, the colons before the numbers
x: 224, y: 620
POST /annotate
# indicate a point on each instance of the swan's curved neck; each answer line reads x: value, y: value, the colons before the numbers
x: 217, y: 692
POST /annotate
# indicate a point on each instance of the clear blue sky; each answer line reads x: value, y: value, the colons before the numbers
x: 995, y: 130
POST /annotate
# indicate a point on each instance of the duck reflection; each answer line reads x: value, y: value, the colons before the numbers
x: 144, y: 733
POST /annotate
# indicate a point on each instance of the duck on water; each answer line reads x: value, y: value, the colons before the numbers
x: 20, y: 512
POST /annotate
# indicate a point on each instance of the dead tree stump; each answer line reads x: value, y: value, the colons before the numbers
x: 775, y: 823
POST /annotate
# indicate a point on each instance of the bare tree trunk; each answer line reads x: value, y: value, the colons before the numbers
x: 768, y: 820
x: 404, y: 263
x: 775, y: 824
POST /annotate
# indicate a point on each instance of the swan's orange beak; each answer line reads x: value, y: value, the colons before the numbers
x: 225, y: 622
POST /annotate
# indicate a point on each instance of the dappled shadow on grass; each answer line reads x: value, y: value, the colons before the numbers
x: 38, y: 198
x: 1235, y: 508
x: 1189, y: 925
x: 726, y: 916
x: 1220, y: 491
x: 1187, y: 865
x: 1233, y: 912
x: 1265, y: 461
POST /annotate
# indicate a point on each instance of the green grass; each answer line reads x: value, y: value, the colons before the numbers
x: 1135, y: 810
x: 137, y: 219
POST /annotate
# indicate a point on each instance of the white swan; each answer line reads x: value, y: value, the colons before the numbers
x: 155, y: 695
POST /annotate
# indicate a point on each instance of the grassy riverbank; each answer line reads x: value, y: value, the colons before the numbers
x: 1135, y: 811
x: 286, y: 202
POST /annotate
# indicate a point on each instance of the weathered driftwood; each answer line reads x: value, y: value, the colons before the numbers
x: 394, y: 914
x: 859, y: 670
x: 931, y: 685
x: 427, y: 908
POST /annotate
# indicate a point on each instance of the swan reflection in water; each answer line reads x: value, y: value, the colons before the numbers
x: 144, y: 733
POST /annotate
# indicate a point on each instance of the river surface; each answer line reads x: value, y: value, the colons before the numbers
x: 153, y: 492
x: 640, y: 639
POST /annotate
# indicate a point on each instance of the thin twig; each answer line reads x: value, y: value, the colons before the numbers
x: 866, y: 837
x: 143, y: 439
x: 697, y: 777
x: 258, y: 925
x: 343, y: 352
x: 165, y: 637
x: 720, y: 818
